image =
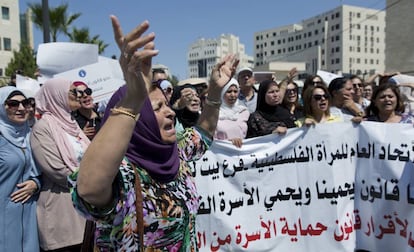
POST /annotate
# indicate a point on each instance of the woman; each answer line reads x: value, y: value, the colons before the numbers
x: 316, y: 104
x: 368, y: 87
x: 19, y: 177
x: 387, y: 105
x: 310, y: 81
x: 58, y: 145
x: 291, y: 101
x: 357, y: 96
x: 232, y: 122
x: 270, y: 116
x: 134, y: 179
x: 87, y: 116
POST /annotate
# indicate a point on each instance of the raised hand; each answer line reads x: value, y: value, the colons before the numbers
x: 222, y: 73
x: 137, y: 51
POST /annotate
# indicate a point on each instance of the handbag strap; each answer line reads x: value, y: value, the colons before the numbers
x: 139, y: 208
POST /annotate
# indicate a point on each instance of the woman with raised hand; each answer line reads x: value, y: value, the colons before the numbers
x: 134, y: 180
x: 232, y: 122
x: 19, y: 177
x: 58, y: 145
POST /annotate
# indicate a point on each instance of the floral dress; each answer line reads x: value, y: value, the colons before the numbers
x: 169, y: 209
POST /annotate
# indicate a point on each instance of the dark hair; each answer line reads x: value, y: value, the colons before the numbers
x: 285, y: 102
x: 261, y: 94
x: 372, y: 110
x: 307, y: 99
x: 309, y: 82
x: 336, y: 84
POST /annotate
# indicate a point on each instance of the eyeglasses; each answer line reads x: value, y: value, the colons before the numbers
x: 291, y: 91
x: 27, y: 103
x: 82, y: 93
x: 357, y: 85
x: 317, y: 82
x: 319, y: 97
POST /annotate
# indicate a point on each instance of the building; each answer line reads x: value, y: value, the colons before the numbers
x: 205, y: 53
x: 399, y: 36
x: 347, y: 39
x: 14, y: 29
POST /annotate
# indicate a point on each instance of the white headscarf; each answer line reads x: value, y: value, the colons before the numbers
x: 230, y: 112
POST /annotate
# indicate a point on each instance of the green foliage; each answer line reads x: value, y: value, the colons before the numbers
x: 23, y: 60
x: 60, y: 22
x: 173, y: 79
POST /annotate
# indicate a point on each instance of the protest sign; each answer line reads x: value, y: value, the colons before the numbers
x: 334, y: 187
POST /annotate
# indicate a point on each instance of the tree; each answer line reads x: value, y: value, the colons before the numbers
x: 82, y: 36
x: 23, y: 60
x: 60, y: 21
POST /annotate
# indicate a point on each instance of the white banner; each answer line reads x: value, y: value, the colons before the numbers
x: 333, y: 187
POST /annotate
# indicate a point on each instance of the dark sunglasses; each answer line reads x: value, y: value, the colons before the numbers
x: 27, y: 103
x: 82, y: 93
x: 317, y: 82
x: 167, y: 90
x: 319, y: 97
x: 291, y: 91
x: 357, y: 85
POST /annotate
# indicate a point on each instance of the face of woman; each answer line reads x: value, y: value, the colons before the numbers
x: 272, y: 97
x: 319, y: 101
x: 317, y: 81
x: 291, y: 93
x: 74, y: 99
x: 367, y: 93
x: 386, y: 101
x: 165, y: 116
x: 86, y: 100
x: 357, y: 85
x: 230, y: 97
x: 195, y: 104
x: 15, y: 110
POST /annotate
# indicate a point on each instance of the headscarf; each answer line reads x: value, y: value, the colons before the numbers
x: 52, y: 103
x: 275, y: 113
x: 16, y: 134
x: 232, y: 112
x: 146, y: 148
x: 186, y: 117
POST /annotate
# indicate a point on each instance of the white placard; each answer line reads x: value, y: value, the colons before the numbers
x: 327, y: 77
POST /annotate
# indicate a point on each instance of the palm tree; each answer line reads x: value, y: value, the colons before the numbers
x: 60, y: 21
x: 82, y: 36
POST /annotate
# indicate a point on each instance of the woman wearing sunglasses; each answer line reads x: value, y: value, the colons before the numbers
x: 316, y: 106
x: 19, y: 177
x: 87, y: 116
x: 58, y: 145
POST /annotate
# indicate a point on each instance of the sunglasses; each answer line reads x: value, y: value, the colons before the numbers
x: 27, y: 103
x: 82, y: 93
x: 291, y: 91
x: 357, y: 85
x: 167, y: 90
x: 319, y: 97
x: 317, y: 82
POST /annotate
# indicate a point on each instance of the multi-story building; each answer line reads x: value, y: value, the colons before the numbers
x: 400, y: 37
x: 14, y: 28
x: 347, y: 39
x: 205, y: 53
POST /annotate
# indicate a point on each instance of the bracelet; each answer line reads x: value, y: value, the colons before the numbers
x: 212, y: 102
x: 124, y: 112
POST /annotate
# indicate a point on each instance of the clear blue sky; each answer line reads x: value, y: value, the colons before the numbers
x: 179, y: 23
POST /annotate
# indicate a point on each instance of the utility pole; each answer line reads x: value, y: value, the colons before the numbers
x: 46, y: 21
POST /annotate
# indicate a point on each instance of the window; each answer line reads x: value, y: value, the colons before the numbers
x: 1, y: 71
x: 7, y: 44
x: 5, y: 13
x: 337, y: 60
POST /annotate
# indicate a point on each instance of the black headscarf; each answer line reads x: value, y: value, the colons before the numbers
x: 275, y: 113
x: 186, y: 117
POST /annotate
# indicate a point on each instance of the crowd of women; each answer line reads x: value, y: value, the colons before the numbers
x: 128, y: 173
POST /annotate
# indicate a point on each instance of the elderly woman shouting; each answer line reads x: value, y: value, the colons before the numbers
x: 134, y: 179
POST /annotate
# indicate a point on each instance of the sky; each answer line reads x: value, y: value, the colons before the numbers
x: 178, y: 24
